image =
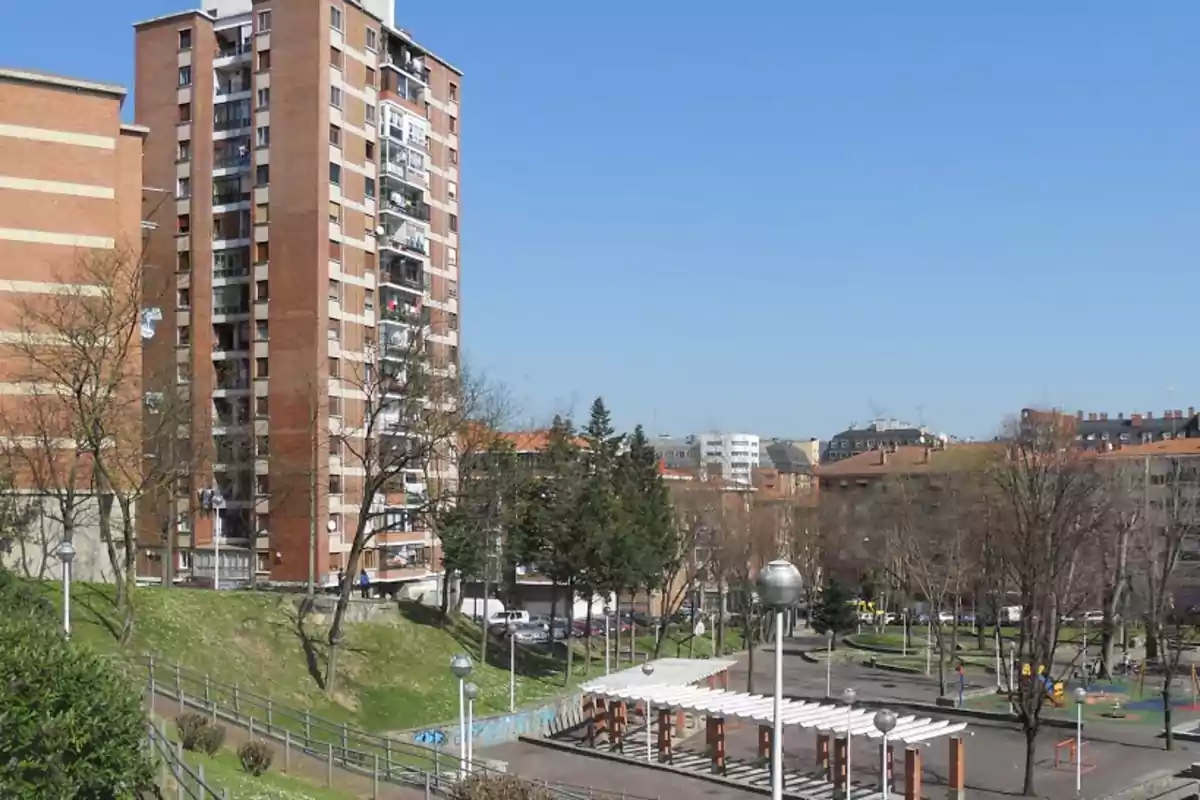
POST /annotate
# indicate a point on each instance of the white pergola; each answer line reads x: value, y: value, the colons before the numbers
x: 832, y: 717
x: 667, y: 672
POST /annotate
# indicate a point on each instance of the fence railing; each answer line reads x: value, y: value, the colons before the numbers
x: 337, y: 745
x: 177, y: 778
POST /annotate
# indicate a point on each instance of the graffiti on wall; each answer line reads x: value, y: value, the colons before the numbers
x: 490, y: 731
x: 430, y: 738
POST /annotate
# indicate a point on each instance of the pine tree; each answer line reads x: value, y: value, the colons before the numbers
x: 647, y: 512
x: 835, y: 610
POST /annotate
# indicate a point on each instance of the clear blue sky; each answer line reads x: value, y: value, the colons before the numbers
x: 775, y: 215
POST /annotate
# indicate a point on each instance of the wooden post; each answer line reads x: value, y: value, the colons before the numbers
x: 680, y: 723
x: 912, y: 773
x: 287, y: 751
x: 725, y: 679
x: 179, y: 686
x: 237, y: 701
x: 956, y: 786
x: 764, y: 742
x: 387, y: 756
x: 589, y: 714
x: 270, y: 715
x: 600, y: 715
x: 375, y: 779
x: 329, y: 766
x: 664, y: 736
x: 824, y: 766
x: 712, y: 681
x: 345, y: 743
x: 307, y: 729
x: 718, y: 758
x: 251, y: 726
x: 839, y: 766
x: 615, y: 732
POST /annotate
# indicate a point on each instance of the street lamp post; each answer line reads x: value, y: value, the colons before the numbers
x: 779, y: 585
x: 849, y: 696
x: 829, y: 663
x: 885, y: 722
x: 648, y: 670
x: 471, y: 691
x: 1080, y: 698
x: 460, y: 667
x: 66, y: 554
x: 607, y: 611
x: 512, y: 666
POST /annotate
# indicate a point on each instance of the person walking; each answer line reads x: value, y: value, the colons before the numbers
x: 364, y: 583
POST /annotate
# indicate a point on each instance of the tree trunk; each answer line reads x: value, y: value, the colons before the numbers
x: 483, y: 636
x: 334, y: 640
x: 692, y: 632
x: 980, y: 642
x: 1030, y: 750
x: 748, y: 632
x: 444, y: 606
x: 940, y: 646
x: 1169, y: 735
x: 719, y: 634
x: 1107, y: 640
x: 587, y: 637
x: 569, y: 604
x: 129, y: 534
x: 1151, y: 646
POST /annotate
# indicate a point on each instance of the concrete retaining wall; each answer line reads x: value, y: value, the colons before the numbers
x: 559, y: 715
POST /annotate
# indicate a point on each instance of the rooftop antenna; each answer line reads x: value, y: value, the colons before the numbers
x: 921, y: 415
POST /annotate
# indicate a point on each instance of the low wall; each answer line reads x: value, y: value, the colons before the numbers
x: 553, y: 717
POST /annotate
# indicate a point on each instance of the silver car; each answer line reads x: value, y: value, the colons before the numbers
x: 530, y: 633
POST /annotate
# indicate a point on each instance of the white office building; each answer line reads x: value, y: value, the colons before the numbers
x: 734, y: 455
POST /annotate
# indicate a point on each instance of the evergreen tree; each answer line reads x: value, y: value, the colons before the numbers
x: 835, y: 610
x: 647, y: 512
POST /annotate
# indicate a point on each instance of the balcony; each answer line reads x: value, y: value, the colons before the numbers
x: 400, y: 313
x: 407, y: 173
x: 411, y: 209
x: 230, y: 198
x: 230, y: 123
x: 239, y: 159
x: 404, y: 278
x: 228, y: 49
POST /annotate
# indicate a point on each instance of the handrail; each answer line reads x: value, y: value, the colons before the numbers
x: 170, y: 758
x: 339, y: 744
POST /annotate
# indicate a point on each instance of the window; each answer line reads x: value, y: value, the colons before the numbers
x: 335, y: 213
x: 451, y: 256
x: 335, y: 96
x: 185, y: 39
x: 262, y: 174
x: 368, y: 299
x: 453, y: 124
x: 263, y: 445
x: 454, y: 223
x: 184, y: 223
x: 335, y: 174
x: 183, y: 298
x: 335, y: 406
x: 371, y: 77
x: 453, y: 92
x: 184, y: 336
x: 335, y: 481
x: 452, y: 190
x: 260, y: 406
x: 264, y: 21
x: 183, y: 261
x: 264, y: 98
x: 337, y: 59
x: 335, y: 289
x: 261, y: 368
x: 262, y: 136
x: 335, y: 250
x: 452, y: 321
x: 372, y: 39
x: 183, y: 373
x: 369, y: 150
x: 335, y: 330
x: 262, y: 484
x: 183, y: 187
x: 183, y: 150
x: 262, y: 291
x: 185, y: 76
x: 369, y: 188
x: 264, y: 60
x: 335, y: 136
x: 262, y: 252
x: 453, y: 156
x: 335, y: 368
x: 369, y: 114
x: 262, y: 213
x: 185, y: 112
x: 335, y: 18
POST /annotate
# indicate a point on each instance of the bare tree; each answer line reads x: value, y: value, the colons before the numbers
x: 697, y: 506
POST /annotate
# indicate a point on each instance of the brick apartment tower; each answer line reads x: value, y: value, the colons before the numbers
x: 70, y: 194
x: 313, y: 150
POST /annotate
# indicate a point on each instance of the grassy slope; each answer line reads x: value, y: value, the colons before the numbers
x: 394, y: 673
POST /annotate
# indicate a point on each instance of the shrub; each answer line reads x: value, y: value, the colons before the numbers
x: 70, y: 724
x: 256, y: 757
x: 498, y: 787
x: 191, y: 727
x: 211, y: 738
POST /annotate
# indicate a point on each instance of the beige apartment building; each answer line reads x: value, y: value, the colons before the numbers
x: 312, y: 147
x: 70, y: 201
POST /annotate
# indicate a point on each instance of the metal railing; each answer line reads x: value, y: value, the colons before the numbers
x: 338, y: 745
x: 175, y: 776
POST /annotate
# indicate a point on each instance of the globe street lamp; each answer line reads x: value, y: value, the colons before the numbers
x: 848, y: 697
x: 460, y: 667
x: 66, y: 554
x: 648, y: 670
x: 779, y: 585
x: 471, y: 691
x: 885, y: 722
x: 607, y: 611
x: 1080, y: 699
x: 512, y: 667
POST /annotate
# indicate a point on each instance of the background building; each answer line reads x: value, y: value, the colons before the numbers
x: 312, y: 148
x: 70, y: 199
x: 1100, y: 430
x: 876, y: 434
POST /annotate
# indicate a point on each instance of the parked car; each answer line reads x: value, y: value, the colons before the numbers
x: 528, y: 633
x: 498, y: 623
x: 557, y: 627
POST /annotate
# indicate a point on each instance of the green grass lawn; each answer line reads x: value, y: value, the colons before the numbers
x: 892, y: 636
x: 679, y: 642
x: 393, y: 673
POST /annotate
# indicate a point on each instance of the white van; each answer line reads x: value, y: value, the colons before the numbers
x: 479, y: 609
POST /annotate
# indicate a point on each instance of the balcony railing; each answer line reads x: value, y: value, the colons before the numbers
x: 402, y: 314
x: 236, y: 271
x: 397, y: 279
x: 419, y: 211
x: 410, y: 68
x: 231, y: 123
x: 406, y: 172
x: 240, y: 48
x: 224, y: 161
x: 226, y: 198
x: 237, y: 308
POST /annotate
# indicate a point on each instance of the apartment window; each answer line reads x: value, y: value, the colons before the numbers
x: 335, y: 481
x: 185, y: 76
x: 453, y: 92
x: 369, y: 188
x: 183, y: 373
x: 262, y: 484
x: 335, y: 368
x: 185, y: 112
x: 428, y: 140
x: 335, y: 291
x: 335, y: 174
x: 371, y: 78
x: 335, y: 251
x: 452, y: 190
x: 335, y: 96
x: 185, y: 39
x: 368, y: 299
x: 453, y: 156
x: 262, y: 174
x: 264, y: 98
x: 262, y: 136
x: 335, y: 136
x: 336, y: 58
x: 262, y: 291
x: 452, y: 321
x: 183, y: 187
x: 264, y: 21
x: 262, y: 444
x: 184, y: 223
x: 262, y: 213
x: 335, y: 330
x: 262, y: 252
x: 451, y: 289
x: 335, y: 213
x: 454, y: 223
x: 183, y: 261
x: 453, y: 124
x: 451, y: 256
x: 369, y: 150
x: 372, y: 39
x: 369, y: 114
x: 185, y: 336
x: 183, y: 150
x: 264, y: 60
x: 261, y: 368
x: 335, y: 446
x: 335, y: 406
x: 260, y: 406
x: 183, y: 298
x: 335, y: 18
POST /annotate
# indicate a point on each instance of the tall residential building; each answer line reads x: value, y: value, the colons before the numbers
x: 732, y: 455
x: 70, y: 214
x: 313, y: 148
